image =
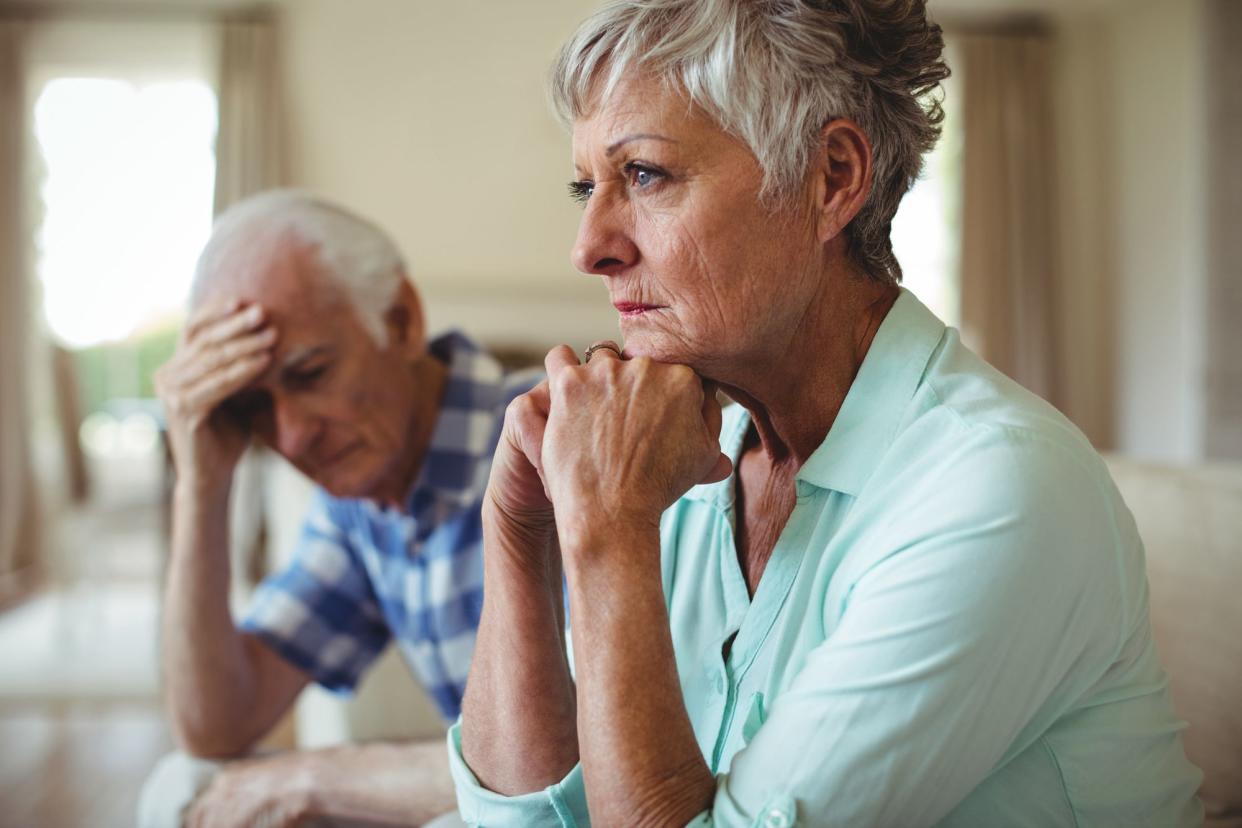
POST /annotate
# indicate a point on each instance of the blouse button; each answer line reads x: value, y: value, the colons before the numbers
x: 776, y: 819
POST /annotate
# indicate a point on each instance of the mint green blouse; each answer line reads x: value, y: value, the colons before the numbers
x: 952, y: 630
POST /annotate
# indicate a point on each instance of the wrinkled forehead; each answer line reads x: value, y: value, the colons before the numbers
x: 638, y: 101
x: 643, y: 105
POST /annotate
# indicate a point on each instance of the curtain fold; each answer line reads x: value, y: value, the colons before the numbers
x: 250, y: 158
x: 19, y: 547
x: 1009, y: 244
x: 250, y: 152
x: 1224, y: 181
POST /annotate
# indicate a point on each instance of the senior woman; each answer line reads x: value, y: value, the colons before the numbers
x: 888, y: 588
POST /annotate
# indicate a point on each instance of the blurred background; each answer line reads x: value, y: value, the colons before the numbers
x: 1077, y: 222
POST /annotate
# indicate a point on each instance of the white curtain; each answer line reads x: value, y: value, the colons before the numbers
x: 250, y: 158
x: 18, y: 506
x: 1009, y: 253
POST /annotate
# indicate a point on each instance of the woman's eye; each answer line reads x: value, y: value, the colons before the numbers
x: 580, y: 191
x: 642, y: 177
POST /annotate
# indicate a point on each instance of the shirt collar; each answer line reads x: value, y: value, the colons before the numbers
x: 873, y: 408
x: 455, y: 469
x: 877, y: 400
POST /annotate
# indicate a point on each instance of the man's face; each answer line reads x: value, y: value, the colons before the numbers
x: 334, y: 403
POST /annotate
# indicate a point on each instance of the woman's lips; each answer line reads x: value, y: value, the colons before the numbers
x: 634, y: 308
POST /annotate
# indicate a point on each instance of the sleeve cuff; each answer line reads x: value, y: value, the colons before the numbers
x: 562, y: 803
x: 780, y: 811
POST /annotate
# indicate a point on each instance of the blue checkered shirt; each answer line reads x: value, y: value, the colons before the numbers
x: 363, y: 574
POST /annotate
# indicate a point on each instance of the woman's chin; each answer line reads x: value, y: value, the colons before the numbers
x: 640, y: 346
x: 637, y: 344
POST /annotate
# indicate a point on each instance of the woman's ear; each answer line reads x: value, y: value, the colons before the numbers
x: 403, y: 321
x: 842, y: 170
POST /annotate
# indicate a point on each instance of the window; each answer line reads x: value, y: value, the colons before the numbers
x: 127, y: 194
x: 927, y: 228
x: 124, y: 120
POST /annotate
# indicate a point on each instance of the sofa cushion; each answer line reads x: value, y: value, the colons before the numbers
x: 1190, y: 520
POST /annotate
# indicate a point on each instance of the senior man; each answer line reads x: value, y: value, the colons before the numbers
x: 306, y: 334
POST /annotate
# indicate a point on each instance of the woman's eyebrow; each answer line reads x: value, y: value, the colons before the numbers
x: 636, y: 137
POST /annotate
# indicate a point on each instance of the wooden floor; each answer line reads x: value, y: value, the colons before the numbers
x: 76, y: 765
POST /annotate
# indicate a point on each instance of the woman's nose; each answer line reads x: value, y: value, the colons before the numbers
x: 605, y: 245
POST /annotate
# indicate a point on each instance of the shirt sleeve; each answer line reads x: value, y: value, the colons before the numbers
x: 321, y: 613
x: 561, y: 804
x: 990, y: 609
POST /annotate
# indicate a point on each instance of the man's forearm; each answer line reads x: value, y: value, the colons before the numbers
x: 388, y: 784
x: 401, y: 784
x: 519, y: 731
x: 208, y: 683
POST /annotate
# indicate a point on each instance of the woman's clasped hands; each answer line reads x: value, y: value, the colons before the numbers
x: 604, y: 447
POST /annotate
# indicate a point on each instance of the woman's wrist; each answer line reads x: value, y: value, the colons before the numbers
x: 587, y: 529
x: 519, y: 551
x: 610, y: 546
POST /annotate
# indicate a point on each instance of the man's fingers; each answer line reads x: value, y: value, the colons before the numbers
x: 214, y: 389
x: 232, y: 325
x: 208, y: 314
x: 208, y: 360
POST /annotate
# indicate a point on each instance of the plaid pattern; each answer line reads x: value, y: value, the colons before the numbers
x: 364, y: 574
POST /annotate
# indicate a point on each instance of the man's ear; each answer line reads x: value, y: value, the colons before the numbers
x: 403, y: 321
x: 843, y: 174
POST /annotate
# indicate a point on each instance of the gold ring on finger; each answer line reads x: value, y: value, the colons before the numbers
x: 603, y: 344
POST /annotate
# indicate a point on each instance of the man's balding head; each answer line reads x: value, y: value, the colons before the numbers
x: 262, y: 237
x: 350, y: 391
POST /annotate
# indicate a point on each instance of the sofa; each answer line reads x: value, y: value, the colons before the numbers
x: 1190, y: 519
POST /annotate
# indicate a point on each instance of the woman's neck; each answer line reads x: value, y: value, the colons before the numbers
x: 794, y: 391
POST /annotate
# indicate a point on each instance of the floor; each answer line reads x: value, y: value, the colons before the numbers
x: 76, y: 765
x: 80, y: 721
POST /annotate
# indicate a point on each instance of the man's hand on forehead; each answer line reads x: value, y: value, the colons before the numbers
x: 238, y: 313
x: 225, y: 347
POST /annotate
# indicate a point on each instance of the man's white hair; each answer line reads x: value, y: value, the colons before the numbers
x: 772, y: 73
x: 352, y: 252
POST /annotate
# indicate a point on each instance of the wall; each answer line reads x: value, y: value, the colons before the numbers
x: 1085, y: 322
x: 1134, y: 211
x: 431, y: 119
x: 1160, y: 228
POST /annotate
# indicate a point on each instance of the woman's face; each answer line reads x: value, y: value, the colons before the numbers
x: 700, y: 272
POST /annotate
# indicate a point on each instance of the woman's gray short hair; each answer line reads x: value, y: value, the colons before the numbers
x: 354, y: 253
x: 772, y: 73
